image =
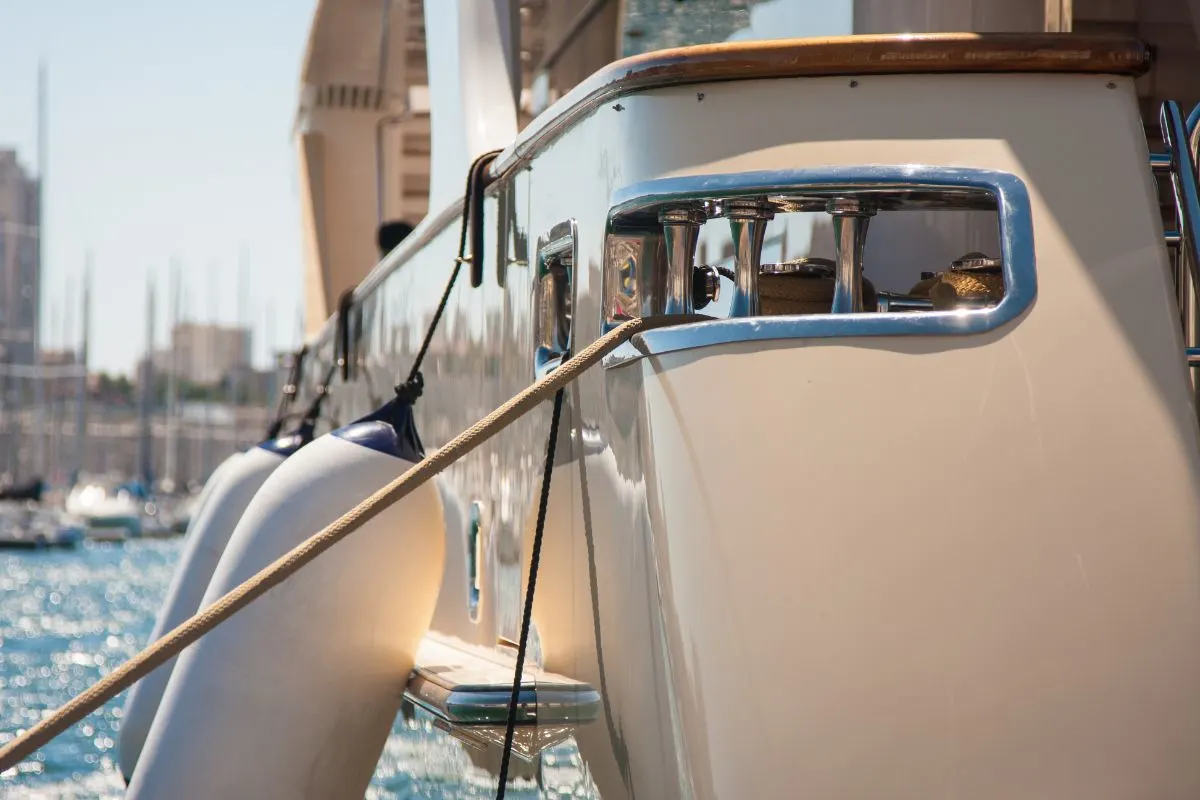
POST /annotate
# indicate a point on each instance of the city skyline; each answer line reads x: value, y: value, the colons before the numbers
x: 19, y: 193
x: 169, y: 142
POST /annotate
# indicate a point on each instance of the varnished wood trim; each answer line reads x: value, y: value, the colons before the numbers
x: 890, y: 54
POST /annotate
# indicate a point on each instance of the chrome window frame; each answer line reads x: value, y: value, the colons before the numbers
x: 561, y: 240
x: 1016, y: 249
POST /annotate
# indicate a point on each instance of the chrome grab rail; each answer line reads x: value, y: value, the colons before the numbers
x: 1181, y: 139
x: 1183, y: 180
x: 895, y: 302
x: 1193, y: 132
x: 633, y: 282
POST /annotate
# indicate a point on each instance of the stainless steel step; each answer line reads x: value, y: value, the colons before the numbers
x: 467, y: 690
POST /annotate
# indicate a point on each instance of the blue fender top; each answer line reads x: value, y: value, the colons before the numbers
x: 390, y: 430
x: 284, y: 445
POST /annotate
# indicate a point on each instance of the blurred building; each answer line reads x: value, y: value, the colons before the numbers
x: 185, y: 447
x: 254, y: 386
x: 19, y: 278
x: 205, y: 354
x: 62, y: 381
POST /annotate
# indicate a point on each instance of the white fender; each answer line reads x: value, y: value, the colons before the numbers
x: 207, y: 489
x: 230, y: 489
x: 295, y: 695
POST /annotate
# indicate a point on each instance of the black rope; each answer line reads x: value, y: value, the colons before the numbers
x: 345, y: 306
x: 413, y: 385
x: 341, y: 360
x: 308, y: 422
x: 288, y: 395
x: 527, y: 616
x: 284, y: 419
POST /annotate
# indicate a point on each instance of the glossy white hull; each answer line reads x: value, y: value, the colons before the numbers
x: 790, y: 571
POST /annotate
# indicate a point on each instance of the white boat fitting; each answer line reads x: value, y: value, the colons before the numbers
x: 913, y: 499
x: 312, y: 711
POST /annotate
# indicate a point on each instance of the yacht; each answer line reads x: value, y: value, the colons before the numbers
x: 897, y: 494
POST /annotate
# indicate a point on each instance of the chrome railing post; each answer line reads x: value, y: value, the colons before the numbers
x: 748, y: 223
x: 681, y: 230
x: 850, y: 218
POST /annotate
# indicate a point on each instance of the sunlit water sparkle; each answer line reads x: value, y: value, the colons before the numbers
x: 68, y: 617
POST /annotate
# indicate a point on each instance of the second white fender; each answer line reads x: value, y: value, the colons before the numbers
x: 230, y: 488
x: 295, y: 695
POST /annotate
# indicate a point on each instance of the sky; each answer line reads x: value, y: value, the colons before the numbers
x: 170, y: 139
x: 170, y: 129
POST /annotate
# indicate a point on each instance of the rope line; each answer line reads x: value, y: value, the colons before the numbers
x: 535, y: 559
x: 308, y: 422
x: 411, y: 389
x: 187, y: 632
x: 288, y: 395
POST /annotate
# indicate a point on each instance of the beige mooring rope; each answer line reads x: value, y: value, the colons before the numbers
x: 291, y: 562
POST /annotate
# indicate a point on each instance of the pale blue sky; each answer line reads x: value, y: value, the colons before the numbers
x: 170, y: 135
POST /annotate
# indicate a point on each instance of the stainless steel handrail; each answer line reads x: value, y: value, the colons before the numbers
x: 1180, y: 149
x: 1193, y: 132
x: 1183, y: 180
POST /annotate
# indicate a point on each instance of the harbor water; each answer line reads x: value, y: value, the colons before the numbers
x: 67, y: 617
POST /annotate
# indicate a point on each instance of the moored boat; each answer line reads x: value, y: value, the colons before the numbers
x: 108, y: 512
x: 32, y: 528
x: 903, y: 479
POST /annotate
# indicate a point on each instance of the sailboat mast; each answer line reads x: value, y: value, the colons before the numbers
x: 171, y: 459
x: 189, y: 317
x: 235, y: 375
x: 81, y: 404
x: 39, y: 405
x: 51, y: 397
x: 210, y: 362
x: 60, y: 395
x: 145, y: 395
x: 268, y: 342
